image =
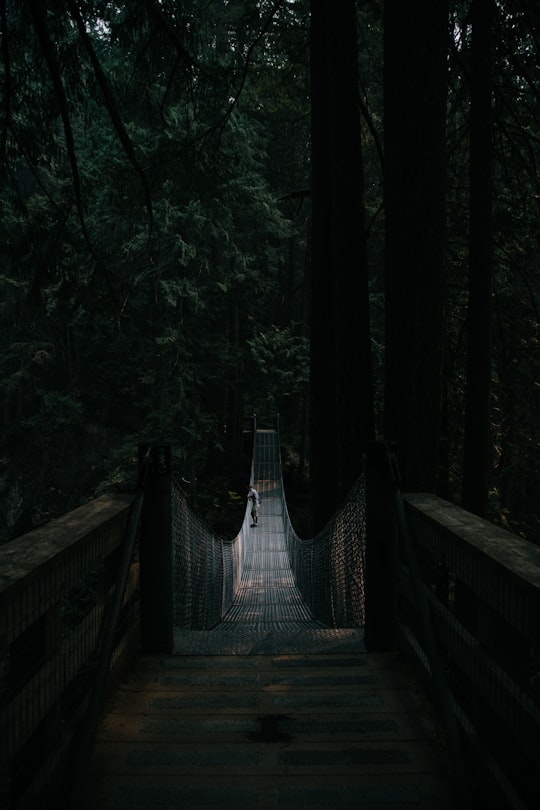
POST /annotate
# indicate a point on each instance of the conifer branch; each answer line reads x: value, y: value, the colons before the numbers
x: 227, y: 114
x: 7, y: 77
x: 110, y: 103
x: 39, y: 16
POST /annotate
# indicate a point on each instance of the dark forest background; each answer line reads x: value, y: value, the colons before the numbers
x: 213, y: 209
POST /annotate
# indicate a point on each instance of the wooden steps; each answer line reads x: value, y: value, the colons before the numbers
x: 284, y: 731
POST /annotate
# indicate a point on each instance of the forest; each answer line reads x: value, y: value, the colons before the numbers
x: 326, y: 211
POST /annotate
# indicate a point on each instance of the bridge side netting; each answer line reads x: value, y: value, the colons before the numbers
x: 330, y: 568
x: 206, y: 569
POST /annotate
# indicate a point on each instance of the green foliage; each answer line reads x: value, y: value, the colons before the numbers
x: 515, y: 470
x: 149, y: 318
x: 280, y: 363
x: 177, y: 324
x: 57, y: 411
x: 223, y: 509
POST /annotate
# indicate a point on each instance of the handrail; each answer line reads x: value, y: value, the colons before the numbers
x: 79, y: 770
x: 442, y: 692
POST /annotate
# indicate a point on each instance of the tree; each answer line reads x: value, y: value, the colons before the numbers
x: 149, y: 320
x: 477, y: 457
x: 511, y: 469
x: 341, y: 374
x: 415, y: 81
x: 149, y: 327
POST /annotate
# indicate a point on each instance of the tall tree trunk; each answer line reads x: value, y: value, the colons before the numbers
x: 415, y: 86
x: 341, y: 378
x: 476, y: 457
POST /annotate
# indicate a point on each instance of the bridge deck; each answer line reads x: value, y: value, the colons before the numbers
x: 317, y: 731
x: 269, y: 709
x: 268, y: 598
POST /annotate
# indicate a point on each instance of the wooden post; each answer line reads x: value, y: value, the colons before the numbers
x: 381, y: 586
x: 155, y: 553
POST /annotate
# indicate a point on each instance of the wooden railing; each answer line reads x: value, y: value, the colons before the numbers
x: 55, y: 587
x: 460, y: 597
x: 483, y: 589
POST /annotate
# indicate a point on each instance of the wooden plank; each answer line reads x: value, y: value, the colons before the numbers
x: 42, y: 547
x: 321, y: 731
x: 519, y: 557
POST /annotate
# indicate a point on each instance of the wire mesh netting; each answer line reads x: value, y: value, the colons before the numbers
x: 206, y: 569
x: 267, y: 578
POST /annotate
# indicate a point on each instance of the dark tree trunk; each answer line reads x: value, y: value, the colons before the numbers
x: 341, y: 386
x: 415, y: 85
x: 476, y: 456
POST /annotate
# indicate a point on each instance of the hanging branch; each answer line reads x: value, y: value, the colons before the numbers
x: 182, y: 54
x: 155, y: 11
x: 38, y: 12
x: 7, y: 76
x: 110, y: 103
x: 366, y: 115
x: 227, y: 114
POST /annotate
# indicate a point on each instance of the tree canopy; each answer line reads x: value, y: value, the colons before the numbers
x: 158, y: 228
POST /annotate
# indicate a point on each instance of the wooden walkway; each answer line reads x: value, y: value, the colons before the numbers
x: 319, y: 731
x: 270, y: 709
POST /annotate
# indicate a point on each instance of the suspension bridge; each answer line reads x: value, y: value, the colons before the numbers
x: 267, y: 586
x: 391, y: 661
x: 269, y: 694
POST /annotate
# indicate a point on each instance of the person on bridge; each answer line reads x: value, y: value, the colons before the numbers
x: 253, y: 496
